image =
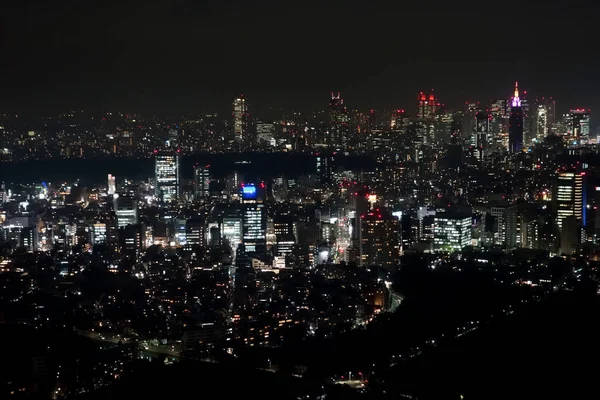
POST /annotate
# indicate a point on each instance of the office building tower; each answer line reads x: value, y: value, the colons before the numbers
x: 568, y: 195
x: 233, y: 183
x: 498, y: 229
x: 512, y: 227
x: 452, y: 232
x: 427, y: 105
x: 482, y: 135
x: 499, y: 113
x: 325, y: 166
x: 399, y: 120
x: 544, y: 117
x: 527, y: 122
x: 99, y: 233
x: 338, y: 132
x: 195, y: 231
x: 380, y: 239
x: 132, y: 240
x: 231, y: 230
x: 454, y: 155
x: 126, y: 209
x: 112, y: 185
x: 172, y: 138
x: 578, y: 126
x: 201, y: 181
x: 515, y: 125
x: 240, y: 119
x: 254, y: 218
x: 265, y: 133
x: 167, y: 176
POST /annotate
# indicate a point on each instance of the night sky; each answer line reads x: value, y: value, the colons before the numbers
x: 179, y: 56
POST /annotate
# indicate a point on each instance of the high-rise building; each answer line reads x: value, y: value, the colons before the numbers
x: 201, y: 181
x: 544, y: 116
x: 515, y: 125
x: 99, y: 233
x: 568, y: 195
x: 231, y: 230
x: 254, y: 218
x: 112, y: 185
x: 398, y: 121
x: 482, y: 135
x: 499, y: 122
x: 167, y: 176
x: 578, y: 126
x: 380, y: 239
x: 195, y: 231
x: 126, y: 209
x: 131, y: 240
x: 240, y: 119
x: 265, y: 133
x: 427, y: 105
x: 338, y: 122
x: 452, y: 232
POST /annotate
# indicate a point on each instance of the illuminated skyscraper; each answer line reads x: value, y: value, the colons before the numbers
x: 99, y: 233
x: 231, y: 229
x: 452, y: 232
x: 265, y: 133
x: 427, y: 105
x: 167, y: 176
x: 515, y: 125
x: 544, y: 116
x: 240, y: 119
x: 379, y: 239
x: 201, y: 181
x: 254, y: 218
x: 568, y: 195
x: 112, y: 186
x: 482, y: 134
x: 126, y: 209
x: 578, y: 126
x: 338, y: 122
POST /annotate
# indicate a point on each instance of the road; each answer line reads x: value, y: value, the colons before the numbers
x: 98, y: 337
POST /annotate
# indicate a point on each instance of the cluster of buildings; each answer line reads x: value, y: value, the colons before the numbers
x: 223, y: 261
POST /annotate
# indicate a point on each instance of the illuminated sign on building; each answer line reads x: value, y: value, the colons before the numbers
x: 249, y: 192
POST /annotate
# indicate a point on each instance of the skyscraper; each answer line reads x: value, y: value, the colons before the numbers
x: 427, y: 105
x: 240, y: 119
x: 452, y: 232
x: 126, y: 209
x: 482, y: 134
x: 543, y: 117
x: 338, y: 122
x: 167, y: 176
x: 380, y: 239
x: 112, y: 186
x: 515, y: 125
x: 254, y: 218
x: 201, y: 181
x: 578, y: 126
x: 568, y: 195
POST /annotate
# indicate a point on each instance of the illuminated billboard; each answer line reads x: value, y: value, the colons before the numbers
x: 249, y: 192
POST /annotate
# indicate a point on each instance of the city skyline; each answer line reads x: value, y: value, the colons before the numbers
x: 314, y: 200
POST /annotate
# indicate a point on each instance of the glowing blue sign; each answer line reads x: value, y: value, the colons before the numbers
x: 249, y: 192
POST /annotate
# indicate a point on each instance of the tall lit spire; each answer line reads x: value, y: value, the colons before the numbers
x: 516, y: 101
